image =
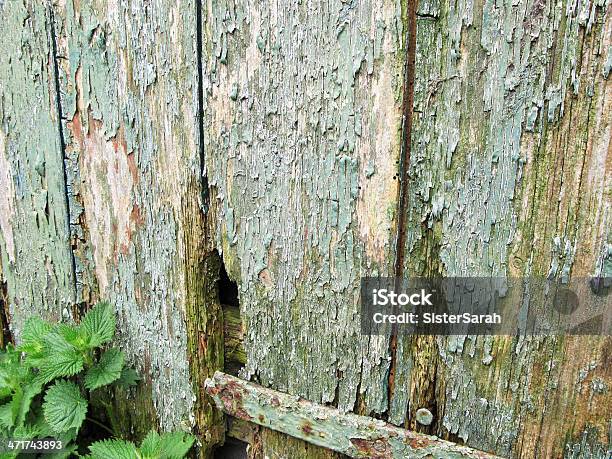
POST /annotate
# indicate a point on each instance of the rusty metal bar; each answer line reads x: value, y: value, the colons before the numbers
x: 347, y: 433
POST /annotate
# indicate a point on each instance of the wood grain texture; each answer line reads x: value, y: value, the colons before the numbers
x: 142, y: 143
x: 129, y: 74
x: 34, y: 235
x: 349, y: 434
x: 302, y: 112
x: 101, y: 192
x: 511, y: 147
x: 490, y: 193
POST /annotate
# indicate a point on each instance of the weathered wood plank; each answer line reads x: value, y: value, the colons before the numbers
x: 34, y: 236
x: 302, y: 114
x: 129, y: 77
x: 347, y: 433
x: 510, y: 148
x: 267, y: 443
x: 489, y: 127
x: 276, y: 445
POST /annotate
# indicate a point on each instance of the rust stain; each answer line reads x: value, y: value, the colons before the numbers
x: 131, y: 161
x: 136, y: 216
x: 374, y: 449
x: 213, y: 391
x: 306, y: 427
x: 419, y: 442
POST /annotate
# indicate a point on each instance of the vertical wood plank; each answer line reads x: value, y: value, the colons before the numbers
x: 511, y: 147
x: 302, y: 117
x: 34, y: 236
x: 131, y: 107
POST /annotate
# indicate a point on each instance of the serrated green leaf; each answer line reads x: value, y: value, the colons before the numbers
x: 12, y: 371
x: 113, y: 449
x: 107, y: 370
x: 67, y: 439
x: 67, y: 363
x: 25, y: 432
x: 98, y: 325
x: 7, y: 415
x: 59, y: 358
x: 34, y: 331
x: 55, y: 341
x: 7, y: 381
x: 64, y: 406
x: 23, y: 399
x: 67, y: 451
x: 73, y: 336
x: 129, y: 377
x: 151, y: 445
x: 175, y: 445
x: 166, y: 446
x: 5, y: 392
x: 42, y: 425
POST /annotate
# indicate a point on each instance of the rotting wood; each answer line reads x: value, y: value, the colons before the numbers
x: 241, y: 430
x: 233, y: 331
x: 5, y: 333
x: 409, y: 18
x: 135, y: 155
x: 271, y: 444
x: 302, y: 121
x: 347, y: 433
x: 509, y: 163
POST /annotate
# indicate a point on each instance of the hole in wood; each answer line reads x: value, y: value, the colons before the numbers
x: 231, y: 449
x: 233, y: 330
x: 228, y: 289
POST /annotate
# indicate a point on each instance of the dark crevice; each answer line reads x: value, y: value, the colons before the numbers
x: 228, y: 289
x: 231, y: 449
x: 233, y: 330
x: 234, y: 357
x: 5, y: 333
x: 427, y: 16
x: 60, y: 129
x: 404, y: 164
x: 407, y: 116
x: 205, y: 195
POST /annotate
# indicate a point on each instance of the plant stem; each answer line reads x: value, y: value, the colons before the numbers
x: 99, y: 424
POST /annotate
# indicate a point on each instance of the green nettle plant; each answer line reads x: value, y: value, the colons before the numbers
x: 46, y: 382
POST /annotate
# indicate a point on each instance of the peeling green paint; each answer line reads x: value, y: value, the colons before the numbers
x: 301, y: 122
x: 34, y: 234
x: 130, y: 104
x: 305, y: 73
x: 347, y: 433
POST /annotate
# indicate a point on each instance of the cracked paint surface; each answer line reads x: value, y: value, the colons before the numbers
x: 34, y: 238
x: 509, y: 175
x: 130, y: 105
x: 303, y: 157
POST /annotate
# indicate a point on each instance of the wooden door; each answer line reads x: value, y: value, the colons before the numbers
x: 160, y: 154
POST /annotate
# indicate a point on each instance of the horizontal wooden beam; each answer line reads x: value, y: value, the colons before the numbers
x: 347, y: 433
